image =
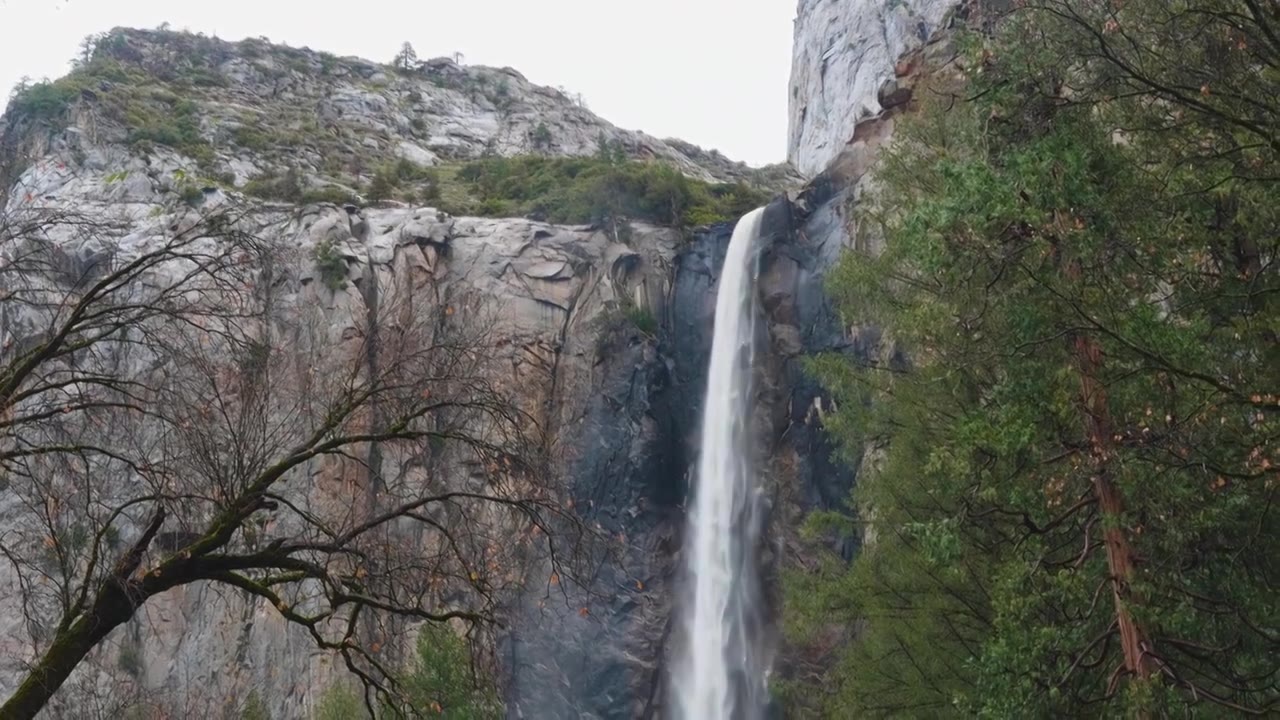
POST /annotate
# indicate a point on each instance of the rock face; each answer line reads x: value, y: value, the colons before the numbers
x: 633, y: 458
x: 608, y: 337
x: 619, y: 395
x: 621, y: 400
x: 253, y: 110
x: 553, y: 295
x: 843, y: 64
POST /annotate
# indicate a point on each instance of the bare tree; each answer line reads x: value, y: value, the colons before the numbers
x: 183, y: 410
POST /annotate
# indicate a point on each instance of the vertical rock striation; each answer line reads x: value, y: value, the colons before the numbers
x: 843, y: 63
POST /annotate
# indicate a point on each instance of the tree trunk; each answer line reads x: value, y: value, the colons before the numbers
x: 1138, y: 661
x: 1120, y: 562
x: 116, y: 600
x: 112, y: 609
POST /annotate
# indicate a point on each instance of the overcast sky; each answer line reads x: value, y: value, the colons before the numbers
x: 713, y: 72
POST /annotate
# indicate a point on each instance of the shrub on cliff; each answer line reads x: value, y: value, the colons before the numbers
x: 331, y: 265
x: 283, y: 188
x: 541, y: 137
x: 401, y: 178
x: 43, y: 100
x: 144, y: 104
x: 254, y: 708
x: 340, y: 702
x: 440, y: 680
x: 328, y: 194
x: 602, y: 188
x: 166, y: 120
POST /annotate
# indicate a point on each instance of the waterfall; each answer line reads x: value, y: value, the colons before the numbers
x: 718, y: 673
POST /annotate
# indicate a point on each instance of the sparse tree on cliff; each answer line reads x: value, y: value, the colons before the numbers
x: 406, y: 60
x: 169, y: 416
x: 540, y: 138
x: 87, y: 47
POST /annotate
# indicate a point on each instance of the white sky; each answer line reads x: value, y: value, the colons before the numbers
x: 713, y: 72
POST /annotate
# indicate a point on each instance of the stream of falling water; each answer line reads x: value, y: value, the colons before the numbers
x: 718, y: 673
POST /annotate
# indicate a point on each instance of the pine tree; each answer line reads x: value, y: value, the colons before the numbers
x: 541, y: 137
x: 406, y: 60
x: 1074, y: 511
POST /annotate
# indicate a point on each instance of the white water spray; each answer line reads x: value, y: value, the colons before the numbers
x: 718, y: 674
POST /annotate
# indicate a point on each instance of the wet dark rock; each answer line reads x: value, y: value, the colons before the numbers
x: 599, y: 652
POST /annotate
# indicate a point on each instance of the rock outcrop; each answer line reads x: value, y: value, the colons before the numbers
x: 844, y: 62
x: 252, y: 109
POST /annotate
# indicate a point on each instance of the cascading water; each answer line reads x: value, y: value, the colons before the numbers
x: 718, y: 673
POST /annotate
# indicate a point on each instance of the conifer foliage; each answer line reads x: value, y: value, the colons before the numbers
x: 1072, y: 511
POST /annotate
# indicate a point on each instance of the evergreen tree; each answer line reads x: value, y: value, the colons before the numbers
x: 541, y: 137
x: 406, y: 60
x: 1073, y: 510
x: 442, y: 679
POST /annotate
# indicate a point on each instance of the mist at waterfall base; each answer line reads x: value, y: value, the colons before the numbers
x: 718, y: 671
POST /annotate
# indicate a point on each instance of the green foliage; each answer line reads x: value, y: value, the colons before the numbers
x: 299, y: 65
x: 191, y: 194
x: 406, y: 60
x: 580, y: 190
x: 76, y: 539
x: 332, y: 266
x: 1068, y: 313
x: 250, y: 138
x: 188, y: 188
x: 205, y: 78
x: 141, y: 99
x: 441, y: 680
x: 383, y: 185
x: 400, y: 178
x: 430, y: 193
x: 541, y: 137
x: 643, y: 320
x: 621, y: 325
x: 270, y: 186
x: 609, y: 152
x: 131, y: 659
x: 501, y: 96
x: 253, y: 708
x: 43, y: 101
x: 161, y: 118
x: 405, y: 170
x: 254, y: 359
x: 328, y: 63
x: 327, y: 194
x: 340, y: 702
x: 68, y: 543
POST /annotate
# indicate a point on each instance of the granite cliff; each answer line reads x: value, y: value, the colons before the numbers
x: 606, y: 333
